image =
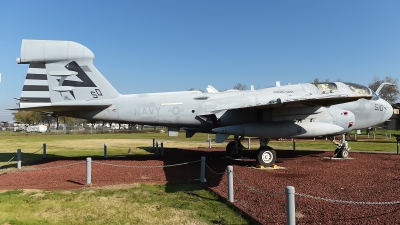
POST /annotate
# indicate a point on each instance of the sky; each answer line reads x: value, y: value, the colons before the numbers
x: 175, y: 45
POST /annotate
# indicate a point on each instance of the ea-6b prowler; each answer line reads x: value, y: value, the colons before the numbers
x: 63, y: 80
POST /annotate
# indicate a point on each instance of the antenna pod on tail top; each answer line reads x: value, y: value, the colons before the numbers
x: 52, y: 51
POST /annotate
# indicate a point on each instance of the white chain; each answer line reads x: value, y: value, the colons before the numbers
x: 255, y: 190
x: 53, y: 167
x: 126, y: 166
x: 214, y: 171
x: 347, y: 202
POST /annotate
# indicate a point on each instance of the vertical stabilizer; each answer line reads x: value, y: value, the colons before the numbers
x: 61, y: 72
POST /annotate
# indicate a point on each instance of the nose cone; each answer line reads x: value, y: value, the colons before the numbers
x: 388, y: 112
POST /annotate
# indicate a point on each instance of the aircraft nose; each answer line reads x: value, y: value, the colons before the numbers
x: 388, y: 112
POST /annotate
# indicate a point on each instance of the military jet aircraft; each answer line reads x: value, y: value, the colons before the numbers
x: 62, y: 79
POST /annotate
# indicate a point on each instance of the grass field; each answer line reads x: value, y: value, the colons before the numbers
x: 129, y: 204
x: 74, y: 145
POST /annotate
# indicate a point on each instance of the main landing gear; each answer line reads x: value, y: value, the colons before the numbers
x: 234, y: 148
x: 342, y: 148
x: 266, y: 156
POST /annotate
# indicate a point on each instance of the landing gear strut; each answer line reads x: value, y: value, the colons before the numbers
x: 342, y: 148
x: 266, y: 155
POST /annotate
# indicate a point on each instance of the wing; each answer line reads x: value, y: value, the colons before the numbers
x: 301, y: 95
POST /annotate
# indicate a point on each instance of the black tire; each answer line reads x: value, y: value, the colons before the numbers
x: 266, y: 156
x: 337, y: 152
x: 229, y: 148
x: 240, y: 150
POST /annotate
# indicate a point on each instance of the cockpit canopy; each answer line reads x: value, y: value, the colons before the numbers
x: 326, y: 86
x: 360, y: 89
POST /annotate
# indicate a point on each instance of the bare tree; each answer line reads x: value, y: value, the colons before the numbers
x: 388, y: 93
x: 240, y: 86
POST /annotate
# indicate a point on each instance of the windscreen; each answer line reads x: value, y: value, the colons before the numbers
x: 358, y: 88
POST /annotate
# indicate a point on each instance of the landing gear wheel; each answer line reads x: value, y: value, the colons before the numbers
x: 344, y: 154
x: 232, y: 151
x: 240, y: 150
x: 229, y: 148
x: 266, y: 156
x: 336, y: 152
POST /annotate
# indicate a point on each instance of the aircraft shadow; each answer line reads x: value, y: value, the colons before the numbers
x: 216, y: 161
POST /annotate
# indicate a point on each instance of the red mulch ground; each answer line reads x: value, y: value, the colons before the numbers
x: 365, y: 178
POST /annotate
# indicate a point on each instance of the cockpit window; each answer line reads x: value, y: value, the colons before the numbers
x: 326, y: 86
x: 358, y: 88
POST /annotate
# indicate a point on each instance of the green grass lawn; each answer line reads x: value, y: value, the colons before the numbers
x: 133, y: 204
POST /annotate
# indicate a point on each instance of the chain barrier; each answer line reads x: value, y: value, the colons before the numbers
x: 255, y: 190
x: 21, y: 153
x: 35, y: 151
x: 214, y: 171
x: 347, y: 202
x: 54, y: 167
x: 9, y: 160
x: 126, y: 166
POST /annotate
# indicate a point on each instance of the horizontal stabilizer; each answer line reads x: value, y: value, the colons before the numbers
x: 64, y: 107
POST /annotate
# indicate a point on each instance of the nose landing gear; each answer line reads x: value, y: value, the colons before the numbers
x: 342, y: 148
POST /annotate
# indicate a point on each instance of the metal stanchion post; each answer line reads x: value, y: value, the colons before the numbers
x: 154, y: 143
x: 290, y: 206
x: 209, y: 143
x: 230, y: 184
x: 294, y: 144
x: 162, y: 148
x: 248, y: 143
x: 398, y: 140
x: 156, y: 147
x: 203, y: 169
x: 19, y: 158
x: 105, y: 150
x: 88, y: 170
x: 44, y: 150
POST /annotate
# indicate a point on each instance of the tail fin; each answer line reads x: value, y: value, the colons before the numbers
x: 61, y: 73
